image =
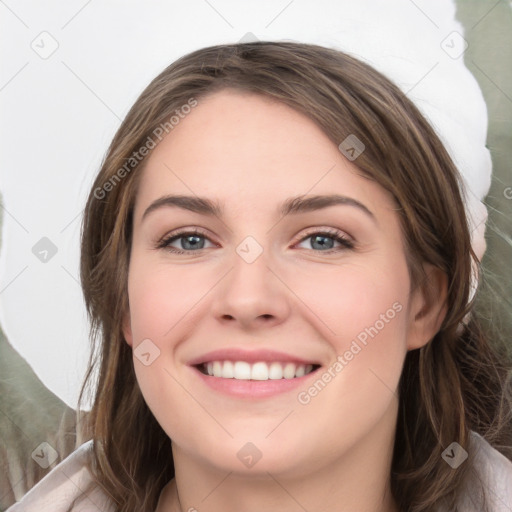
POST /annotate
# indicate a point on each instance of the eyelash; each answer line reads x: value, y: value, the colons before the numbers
x: 336, y: 235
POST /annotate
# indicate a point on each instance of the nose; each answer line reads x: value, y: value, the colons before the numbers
x: 251, y: 295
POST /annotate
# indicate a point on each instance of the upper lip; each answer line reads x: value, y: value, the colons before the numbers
x: 250, y: 356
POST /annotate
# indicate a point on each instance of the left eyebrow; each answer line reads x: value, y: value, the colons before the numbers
x: 291, y: 206
x: 301, y: 204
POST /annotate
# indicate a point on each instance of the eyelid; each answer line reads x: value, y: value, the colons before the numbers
x: 162, y: 242
x: 346, y: 241
x: 328, y: 231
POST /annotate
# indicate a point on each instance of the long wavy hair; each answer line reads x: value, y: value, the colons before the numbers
x: 458, y: 382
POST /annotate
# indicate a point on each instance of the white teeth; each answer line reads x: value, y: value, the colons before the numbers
x: 259, y: 371
x: 289, y: 371
x: 228, y: 370
x: 300, y: 371
x: 243, y: 370
x: 217, y: 369
x: 275, y: 371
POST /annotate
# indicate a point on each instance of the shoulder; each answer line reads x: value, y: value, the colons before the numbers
x: 491, y: 474
x: 62, y: 485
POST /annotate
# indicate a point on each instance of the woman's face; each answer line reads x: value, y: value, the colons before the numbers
x: 306, y: 303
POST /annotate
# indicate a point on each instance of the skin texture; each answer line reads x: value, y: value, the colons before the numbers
x: 334, y: 453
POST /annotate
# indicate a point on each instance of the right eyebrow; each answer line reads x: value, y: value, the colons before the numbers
x: 195, y: 204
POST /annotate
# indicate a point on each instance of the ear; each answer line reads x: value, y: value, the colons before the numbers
x: 127, y: 329
x: 428, y: 307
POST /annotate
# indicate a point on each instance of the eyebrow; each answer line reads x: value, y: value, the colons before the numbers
x: 292, y: 205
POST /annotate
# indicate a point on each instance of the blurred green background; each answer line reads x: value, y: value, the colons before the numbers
x: 488, y: 30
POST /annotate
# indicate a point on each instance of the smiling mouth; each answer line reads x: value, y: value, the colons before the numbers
x: 259, y: 371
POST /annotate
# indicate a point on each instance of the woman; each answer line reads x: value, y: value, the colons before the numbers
x: 277, y: 265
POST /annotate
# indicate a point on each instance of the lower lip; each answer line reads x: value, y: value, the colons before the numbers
x: 252, y: 388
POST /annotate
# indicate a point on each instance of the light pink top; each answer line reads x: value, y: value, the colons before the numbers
x: 57, y: 490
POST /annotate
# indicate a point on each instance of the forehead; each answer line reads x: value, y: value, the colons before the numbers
x: 245, y: 148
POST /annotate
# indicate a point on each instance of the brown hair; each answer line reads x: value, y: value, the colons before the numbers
x: 458, y: 382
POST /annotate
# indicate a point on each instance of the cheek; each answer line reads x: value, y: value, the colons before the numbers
x: 161, y: 301
x: 163, y: 298
x: 362, y: 313
x: 357, y: 301
x: 366, y: 312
